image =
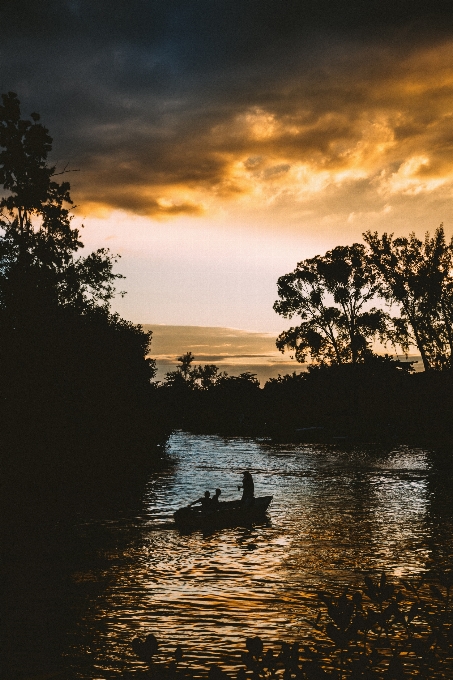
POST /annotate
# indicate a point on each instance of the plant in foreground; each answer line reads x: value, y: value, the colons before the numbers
x: 379, y: 632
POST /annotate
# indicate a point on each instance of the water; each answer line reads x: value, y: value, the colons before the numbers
x: 335, y: 515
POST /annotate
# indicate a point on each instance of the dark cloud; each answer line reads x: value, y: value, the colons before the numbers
x: 156, y: 102
x: 232, y: 23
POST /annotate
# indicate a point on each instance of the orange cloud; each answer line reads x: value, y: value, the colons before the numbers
x: 369, y: 129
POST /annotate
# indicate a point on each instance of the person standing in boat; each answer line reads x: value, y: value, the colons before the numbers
x: 248, y: 488
x: 204, y: 500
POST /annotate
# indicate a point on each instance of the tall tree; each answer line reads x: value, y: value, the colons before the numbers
x: 330, y: 294
x: 38, y: 244
x: 68, y: 364
x: 417, y: 276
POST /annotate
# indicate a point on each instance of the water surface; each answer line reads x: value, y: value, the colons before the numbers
x: 336, y: 515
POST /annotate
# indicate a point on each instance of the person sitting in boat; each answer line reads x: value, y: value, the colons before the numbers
x: 204, y: 500
x: 248, y: 488
x: 215, y: 499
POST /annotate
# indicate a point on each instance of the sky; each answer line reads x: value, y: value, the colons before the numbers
x: 216, y: 143
x: 232, y: 350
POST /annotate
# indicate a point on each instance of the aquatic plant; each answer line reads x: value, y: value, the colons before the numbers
x: 382, y: 631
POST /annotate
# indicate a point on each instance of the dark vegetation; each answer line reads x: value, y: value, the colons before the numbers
x: 77, y: 404
x: 379, y: 399
x: 349, y: 391
x: 381, y: 631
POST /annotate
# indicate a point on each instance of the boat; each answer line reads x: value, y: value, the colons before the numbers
x: 227, y: 513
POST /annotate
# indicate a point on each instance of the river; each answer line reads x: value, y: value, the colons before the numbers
x: 337, y: 513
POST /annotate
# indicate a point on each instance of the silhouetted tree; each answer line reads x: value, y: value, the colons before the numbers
x: 244, y: 381
x: 197, y: 377
x: 207, y: 376
x: 330, y: 294
x: 182, y: 376
x: 418, y: 277
x: 185, y: 367
x: 72, y: 374
x: 38, y: 243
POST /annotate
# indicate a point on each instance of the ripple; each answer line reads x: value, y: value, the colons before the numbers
x: 336, y: 514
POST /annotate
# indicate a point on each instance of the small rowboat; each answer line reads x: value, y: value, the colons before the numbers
x: 227, y: 513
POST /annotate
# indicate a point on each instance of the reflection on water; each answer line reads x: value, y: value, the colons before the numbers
x: 335, y: 515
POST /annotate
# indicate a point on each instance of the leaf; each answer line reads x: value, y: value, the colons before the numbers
x: 370, y: 588
x: 313, y: 671
x: 325, y: 597
x: 216, y: 673
x: 419, y: 647
x: 337, y: 636
x: 269, y: 660
x: 249, y: 661
x: 254, y: 646
x: 413, y: 611
x: 151, y: 644
x: 436, y: 592
x: 357, y: 598
x: 396, y: 669
x: 408, y: 585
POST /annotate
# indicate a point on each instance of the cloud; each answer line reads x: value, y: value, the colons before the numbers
x: 172, y: 340
x: 175, y: 108
x: 230, y: 349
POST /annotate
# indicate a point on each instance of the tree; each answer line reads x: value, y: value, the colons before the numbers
x: 198, y: 377
x: 330, y: 293
x: 72, y: 373
x: 246, y: 381
x: 207, y: 376
x: 182, y: 376
x: 38, y: 243
x: 186, y: 361
x: 418, y: 277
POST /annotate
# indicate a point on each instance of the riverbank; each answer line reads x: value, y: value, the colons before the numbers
x: 379, y: 401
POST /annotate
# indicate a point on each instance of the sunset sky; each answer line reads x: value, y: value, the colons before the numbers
x: 219, y: 142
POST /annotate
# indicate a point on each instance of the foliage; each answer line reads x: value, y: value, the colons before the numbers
x: 206, y: 377
x: 379, y: 632
x: 38, y: 271
x: 374, y: 363
x: 246, y: 380
x: 202, y: 398
x: 378, y: 399
x: 330, y: 293
x: 37, y: 263
x: 418, y: 276
x: 75, y: 378
x: 197, y: 377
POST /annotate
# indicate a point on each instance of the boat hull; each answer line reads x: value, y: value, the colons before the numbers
x: 229, y: 513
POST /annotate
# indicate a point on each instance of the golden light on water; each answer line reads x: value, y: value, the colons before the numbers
x: 337, y: 514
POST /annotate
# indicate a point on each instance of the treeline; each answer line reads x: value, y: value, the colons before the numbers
x: 398, y: 291
x: 75, y: 382
x: 378, y: 399
x: 395, y: 291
